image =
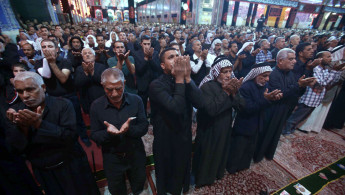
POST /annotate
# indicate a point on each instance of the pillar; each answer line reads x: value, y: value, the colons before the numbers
x: 225, y: 12
x: 250, y: 9
x: 291, y: 18
x: 254, y: 15
x: 234, y: 18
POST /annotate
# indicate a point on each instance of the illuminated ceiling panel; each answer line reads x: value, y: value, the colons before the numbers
x: 315, y: 2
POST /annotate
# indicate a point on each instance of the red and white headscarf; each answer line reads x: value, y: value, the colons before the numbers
x: 256, y: 72
x: 215, y: 70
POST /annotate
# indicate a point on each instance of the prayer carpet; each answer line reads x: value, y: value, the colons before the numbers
x: 296, y: 157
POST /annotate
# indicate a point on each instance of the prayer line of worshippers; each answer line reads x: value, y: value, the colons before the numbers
x: 243, y: 88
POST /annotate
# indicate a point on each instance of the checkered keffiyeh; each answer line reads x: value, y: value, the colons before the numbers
x: 314, y: 95
x: 256, y: 72
x: 215, y: 71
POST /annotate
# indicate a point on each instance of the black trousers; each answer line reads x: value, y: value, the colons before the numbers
x: 80, y: 122
x: 116, y: 167
x: 71, y: 177
x: 144, y: 96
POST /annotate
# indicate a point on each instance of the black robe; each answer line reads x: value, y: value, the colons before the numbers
x: 58, y: 161
x: 247, y: 64
x: 336, y: 115
x: 212, y: 142
x: 278, y: 112
x: 171, y: 106
x: 248, y: 124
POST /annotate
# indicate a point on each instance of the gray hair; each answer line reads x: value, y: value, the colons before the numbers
x: 262, y: 41
x: 112, y: 72
x: 279, y: 38
x: 93, y: 51
x: 293, y: 37
x: 283, y: 53
x: 29, y: 75
x: 195, y: 42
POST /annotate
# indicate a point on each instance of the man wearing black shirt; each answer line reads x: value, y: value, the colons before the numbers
x: 87, y: 79
x: 261, y: 22
x: 305, y: 63
x: 279, y: 44
x: 74, y: 53
x: 101, y: 51
x: 172, y: 95
x: 146, y: 67
x: 118, y: 122
x: 56, y: 73
x: 234, y: 59
x: 43, y: 127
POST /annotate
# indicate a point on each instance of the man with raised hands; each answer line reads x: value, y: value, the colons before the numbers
x: 44, y: 129
x: 118, y: 122
x: 172, y: 96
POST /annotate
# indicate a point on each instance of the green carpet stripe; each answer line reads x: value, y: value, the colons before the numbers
x: 314, y: 183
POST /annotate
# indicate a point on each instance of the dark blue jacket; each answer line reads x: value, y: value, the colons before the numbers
x: 250, y: 119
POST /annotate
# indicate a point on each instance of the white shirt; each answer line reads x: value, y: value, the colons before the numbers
x: 211, y: 58
x: 196, y: 67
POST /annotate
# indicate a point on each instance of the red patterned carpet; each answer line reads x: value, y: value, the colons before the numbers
x: 296, y: 156
x: 260, y: 177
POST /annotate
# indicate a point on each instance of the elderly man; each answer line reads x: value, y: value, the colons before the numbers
x: 249, y: 120
x: 215, y: 50
x: 172, y: 95
x: 199, y: 63
x: 87, y: 79
x: 118, y: 122
x: 264, y: 55
x: 279, y: 43
x: 124, y: 62
x: 212, y: 142
x: 314, y: 94
x: 281, y: 78
x: 294, y: 41
x: 43, y: 127
x: 225, y: 46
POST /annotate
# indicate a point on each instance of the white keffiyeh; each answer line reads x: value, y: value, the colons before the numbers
x: 244, y: 46
x: 94, y: 40
x: 110, y: 41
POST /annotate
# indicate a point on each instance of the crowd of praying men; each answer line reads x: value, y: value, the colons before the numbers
x: 243, y: 87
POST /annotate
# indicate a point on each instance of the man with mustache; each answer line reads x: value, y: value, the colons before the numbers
x: 118, y: 122
x: 43, y: 128
x: 212, y: 143
x: 87, y: 79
